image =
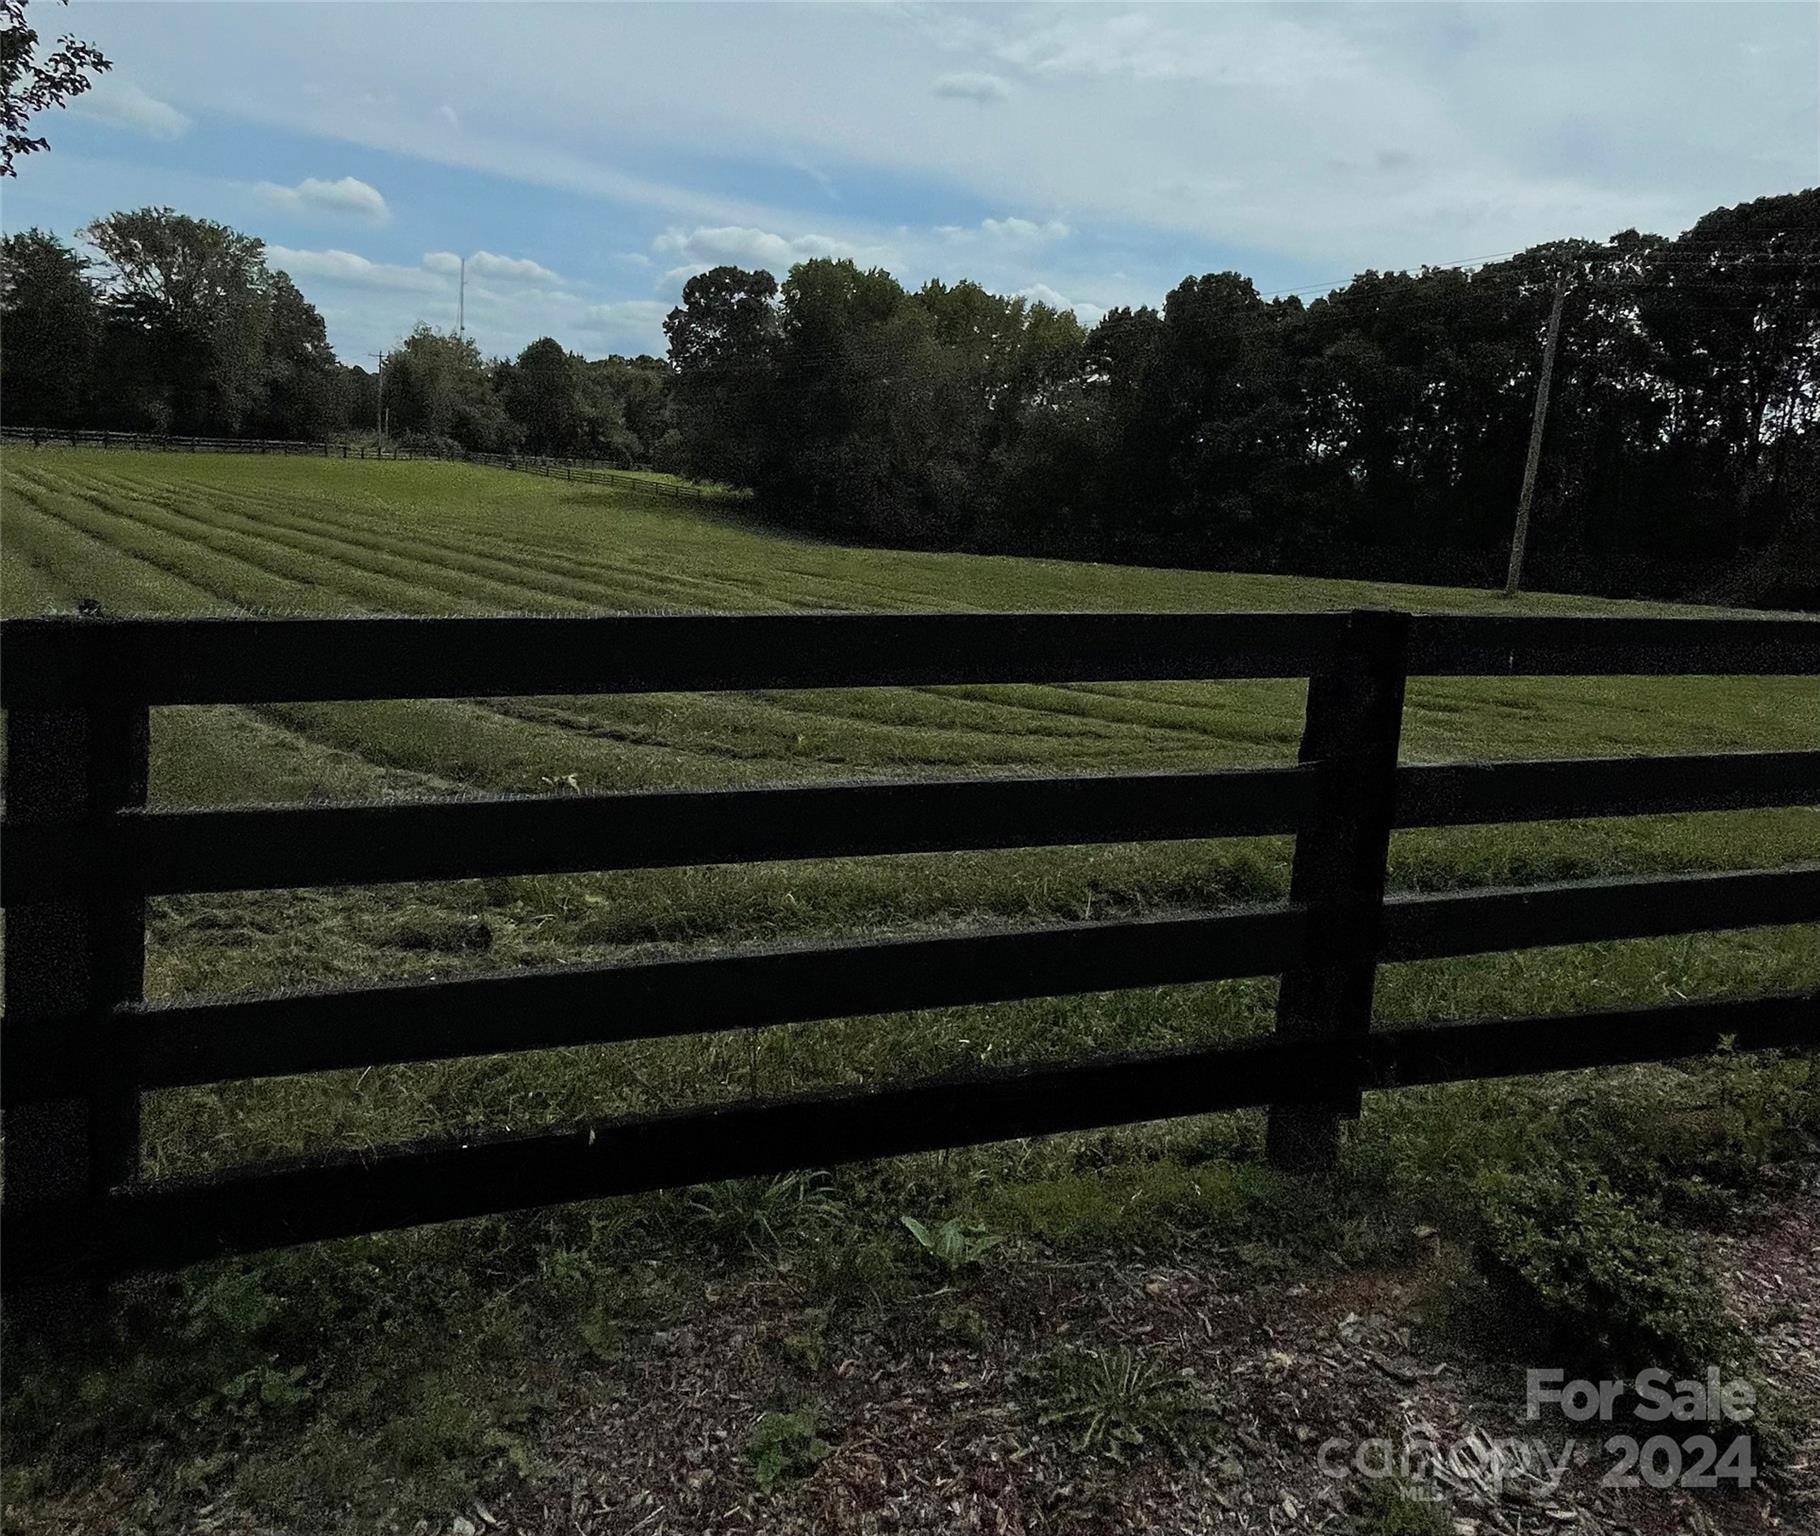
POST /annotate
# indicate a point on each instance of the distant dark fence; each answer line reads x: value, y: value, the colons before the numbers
x: 591, y: 472
x: 51, y: 437
x: 83, y: 853
x: 576, y: 471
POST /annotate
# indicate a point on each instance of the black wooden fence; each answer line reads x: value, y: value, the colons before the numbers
x: 591, y: 472
x: 158, y: 442
x: 575, y: 471
x: 83, y: 852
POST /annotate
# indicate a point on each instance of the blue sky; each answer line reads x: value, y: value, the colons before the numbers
x: 586, y: 158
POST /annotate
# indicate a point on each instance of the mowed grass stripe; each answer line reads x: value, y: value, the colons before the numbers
x: 630, y: 583
x: 90, y: 564
x: 202, y: 557
x: 241, y: 568
x: 368, y: 566
x: 29, y: 581
x: 498, y: 565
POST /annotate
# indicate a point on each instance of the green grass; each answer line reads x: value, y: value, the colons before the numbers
x: 150, y: 534
x: 368, y: 1383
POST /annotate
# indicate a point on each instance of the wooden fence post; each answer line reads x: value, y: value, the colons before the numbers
x: 1351, y: 735
x: 75, y: 958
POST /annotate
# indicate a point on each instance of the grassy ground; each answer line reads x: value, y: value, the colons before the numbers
x: 151, y: 534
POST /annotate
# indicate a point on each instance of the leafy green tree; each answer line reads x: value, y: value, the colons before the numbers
x: 875, y: 430
x: 436, y: 385
x: 641, y: 386
x: 359, y: 391
x: 30, y: 85
x: 305, y: 394
x: 1734, y: 308
x: 50, y: 325
x: 188, y: 304
x: 722, y: 347
x: 541, y: 391
x: 601, y: 431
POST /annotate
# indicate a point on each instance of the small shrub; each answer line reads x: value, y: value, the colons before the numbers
x: 1609, y: 1283
x: 954, y: 1245
x: 1156, y: 1202
x: 1694, y: 1136
x: 843, y: 1273
x: 427, y: 443
x: 263, y: 1389
x: 1391, y: 1507
x: 965, y: 1324
x: 1115, y: 1403
x: 785, y: 1445
x: 624, y: 1308
x: 800, y: 1341
x: 760, y: 1212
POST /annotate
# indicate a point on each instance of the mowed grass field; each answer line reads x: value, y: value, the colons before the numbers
x: 154, y: 534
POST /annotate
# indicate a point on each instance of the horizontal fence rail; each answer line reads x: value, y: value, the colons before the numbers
x: 283, y: 846
x: 153, y: 442
x: 539, y: 1009
x: 82, y: 854
x: 585, y: 472
x: 270, y: 661
x: 578, y: 471
x: 181, y: 1221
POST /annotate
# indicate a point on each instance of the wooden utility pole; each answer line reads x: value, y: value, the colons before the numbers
x: 379, y: 413
x: 1519, y: 540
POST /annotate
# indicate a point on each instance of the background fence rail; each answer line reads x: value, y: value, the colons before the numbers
x: 82, y: 854
x: 579, y: 471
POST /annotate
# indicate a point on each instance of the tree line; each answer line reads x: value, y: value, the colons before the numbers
x: 158, y: 322
x: 1378, y: 429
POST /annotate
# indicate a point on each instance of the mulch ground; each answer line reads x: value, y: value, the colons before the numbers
x: 932, y: 1412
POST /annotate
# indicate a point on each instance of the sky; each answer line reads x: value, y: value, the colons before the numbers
x: 586, y: 159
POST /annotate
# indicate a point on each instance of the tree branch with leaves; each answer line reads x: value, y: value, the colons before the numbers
x: 30, y: 85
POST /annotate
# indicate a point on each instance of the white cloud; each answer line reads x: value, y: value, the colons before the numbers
x: 641, y: 318
x: 352, y: 271
x: 122, y: 104
x: 737, y: 245
x: 1042, y: 293
x: 348, y: 196
x: 967, y: 85
x: 511, y: 270
x: 449, y: 115
x: 1251, y: 49
x: 1025, y: 231
x: 507, y: 306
